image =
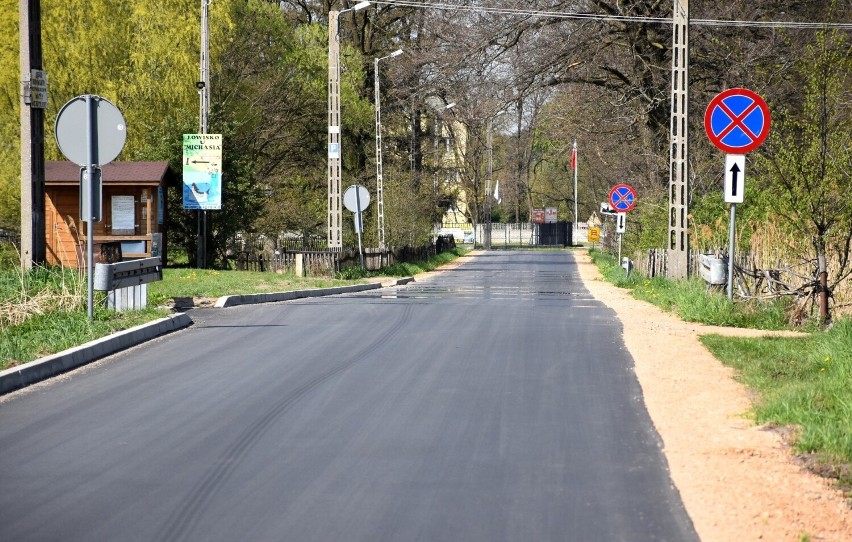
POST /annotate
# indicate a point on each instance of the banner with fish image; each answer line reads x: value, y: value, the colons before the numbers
x: 202, y: 171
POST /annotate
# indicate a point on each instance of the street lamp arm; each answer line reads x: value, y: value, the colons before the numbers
x: 392, y: 55
x: 357, y: 7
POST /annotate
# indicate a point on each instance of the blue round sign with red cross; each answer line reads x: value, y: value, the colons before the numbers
x: 622, y: 198
x: 737, y: 121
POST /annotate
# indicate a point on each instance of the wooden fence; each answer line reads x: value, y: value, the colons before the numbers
x: 330, y: 261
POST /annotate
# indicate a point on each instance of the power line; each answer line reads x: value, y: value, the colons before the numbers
x: 611, y: 18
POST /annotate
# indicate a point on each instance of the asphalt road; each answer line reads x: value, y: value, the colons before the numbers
x: 494, y: 401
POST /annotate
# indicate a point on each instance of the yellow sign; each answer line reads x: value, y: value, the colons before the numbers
x: 594, y: 235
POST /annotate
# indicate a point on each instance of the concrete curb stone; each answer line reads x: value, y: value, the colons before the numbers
x: 24, y: 375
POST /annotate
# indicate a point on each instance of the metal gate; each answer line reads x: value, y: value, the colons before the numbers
x: 553, y: 234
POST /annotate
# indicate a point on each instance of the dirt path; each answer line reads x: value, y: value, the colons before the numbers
x: 739, y: 482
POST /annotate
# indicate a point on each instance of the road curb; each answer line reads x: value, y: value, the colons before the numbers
x: 250, y: 299
x: 24, y: 375
x: 33, y: 372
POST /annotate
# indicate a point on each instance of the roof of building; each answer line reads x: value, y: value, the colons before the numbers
x: 114, y: 172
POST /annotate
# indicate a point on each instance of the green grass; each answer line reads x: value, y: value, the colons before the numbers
x: 805, y: 383
x: 54, y: 331
x: 211, y: 283
x: 692, y: 301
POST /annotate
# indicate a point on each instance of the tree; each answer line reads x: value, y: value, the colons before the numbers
x: 269, y: 96
x: 141, y: 56
x: 807, y: 171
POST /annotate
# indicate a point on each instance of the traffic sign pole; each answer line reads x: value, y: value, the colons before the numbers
x: 620, y: 228
x: 732, y: 237
x: 737, y: 122
x: 359, y: 226
x: 91, y: 144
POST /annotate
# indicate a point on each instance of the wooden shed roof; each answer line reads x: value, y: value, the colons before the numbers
x: 145, y: 173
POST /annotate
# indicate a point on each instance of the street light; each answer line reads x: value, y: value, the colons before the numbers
x: 356, y: 7
x: 380, y: 199
x: 335, y: 211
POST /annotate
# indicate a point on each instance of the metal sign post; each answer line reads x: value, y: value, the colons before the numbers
x: 736, y: 121
x: 620, y: 228
x: 356, y: 199
x: 91, y: 158
x: 99, y: 144
x: 732, y: 237
x: 622, y: 198
x: 734, y: 193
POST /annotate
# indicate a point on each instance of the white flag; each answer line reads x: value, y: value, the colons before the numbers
x: 497, y: 192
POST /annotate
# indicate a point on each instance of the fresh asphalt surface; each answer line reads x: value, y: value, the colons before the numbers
x: 494, y: 401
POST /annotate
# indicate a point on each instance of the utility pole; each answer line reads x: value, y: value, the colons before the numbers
x: 203, y: 86
x: 335, y: 232
x: 380, y: 191
x: 33, y: 250
x: 678, y: 245
x: 335, y: 153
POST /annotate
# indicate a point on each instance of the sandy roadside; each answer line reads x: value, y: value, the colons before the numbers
x: 739, y: 482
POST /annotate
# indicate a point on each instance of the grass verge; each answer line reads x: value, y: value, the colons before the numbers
x: 804, y: 384
x: 691, y: 300
x: 210, y: 283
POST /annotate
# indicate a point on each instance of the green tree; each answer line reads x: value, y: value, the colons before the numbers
x: 10, y: 154
x: 270, y: 102
x: 806, y: 170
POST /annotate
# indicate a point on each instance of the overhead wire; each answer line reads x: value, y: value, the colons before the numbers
x: 611, y: 18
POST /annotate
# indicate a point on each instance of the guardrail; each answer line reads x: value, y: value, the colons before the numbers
x: 126, y: 282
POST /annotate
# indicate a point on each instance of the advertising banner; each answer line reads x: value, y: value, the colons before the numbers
x: 202, y: 171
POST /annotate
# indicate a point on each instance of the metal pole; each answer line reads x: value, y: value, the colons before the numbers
x: 488, y: 194
x: 91, y: 137
x: 204, y: 106
x: 360, y: 223
x: 732, y: 233
x: 574, y: 160
x: 620, y: 237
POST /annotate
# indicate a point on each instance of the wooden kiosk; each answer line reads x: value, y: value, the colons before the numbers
x: 133, y: 220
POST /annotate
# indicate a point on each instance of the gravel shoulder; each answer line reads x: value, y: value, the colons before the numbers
x: 738, y: 481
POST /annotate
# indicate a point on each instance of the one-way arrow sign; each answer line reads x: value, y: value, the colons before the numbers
x: 734, y: 178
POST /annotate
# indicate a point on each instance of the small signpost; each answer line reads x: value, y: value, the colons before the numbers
x: 38, y: 89
x: 622, y: 198
x: 737, y: 122
x: 734, y: 178
x: 356, y: 199
x: 90, y: 131
x: 620, y: 222
x: 594, y: 235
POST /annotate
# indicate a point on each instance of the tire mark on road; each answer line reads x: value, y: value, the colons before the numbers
x: 185, y: 518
